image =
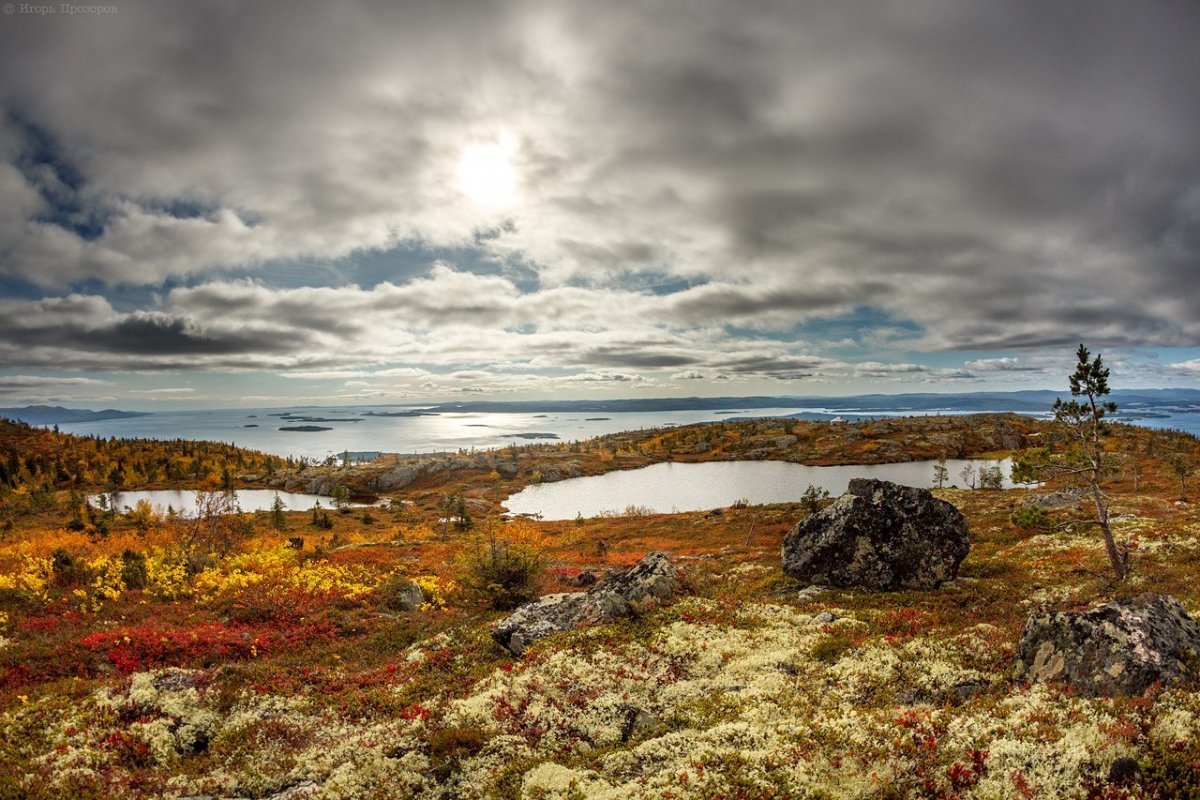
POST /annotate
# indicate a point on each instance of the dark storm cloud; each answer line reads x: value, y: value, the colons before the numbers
x: 991, y: 176
x: 87, y: 333
x: 772, y: 365
x: 769, y: 301
x: 146, y: 334
x: 613, y: 357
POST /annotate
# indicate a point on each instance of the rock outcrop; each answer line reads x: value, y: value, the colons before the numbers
x: 879, y: 535
x: 1118, y: 648
x: 619, y: 595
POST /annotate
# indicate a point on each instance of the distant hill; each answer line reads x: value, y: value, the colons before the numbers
x: 55, y: 415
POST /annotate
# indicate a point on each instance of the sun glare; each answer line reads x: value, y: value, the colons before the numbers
x: 487, y: 176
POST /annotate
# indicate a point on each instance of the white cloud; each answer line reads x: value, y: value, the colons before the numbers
x: 1191, y: 367
x: 1003, y: 364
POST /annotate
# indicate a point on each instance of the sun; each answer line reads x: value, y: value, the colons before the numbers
x: 486, y: 175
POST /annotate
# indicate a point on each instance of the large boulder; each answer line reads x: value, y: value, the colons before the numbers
x: 1118, y: 648
x: 879, y: 535
x: 619, y: 595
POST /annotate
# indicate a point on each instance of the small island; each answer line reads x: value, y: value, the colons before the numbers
x: 402, y: 414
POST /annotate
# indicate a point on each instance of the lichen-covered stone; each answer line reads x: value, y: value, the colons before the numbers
x: 879, y: 535
x: 1118, y: 648
x: 619, y: 595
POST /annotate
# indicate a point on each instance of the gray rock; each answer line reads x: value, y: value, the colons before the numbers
x: 618, y: 595
x: 967, y: 689
x: 1067, y: 498
x: 1003, y: 437
x: 174, y: 680
x: 1118, y: 648
x: 305, y: 788
x: 824, y: 618
x: 636, y: 722
x: 406, y: 597
x: 322, y: 485
x: 810, y: 593
x: 583, y: 580
x: 879, y: 535
x: 396, y: 478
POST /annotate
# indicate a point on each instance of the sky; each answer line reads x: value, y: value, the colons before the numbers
x: 226, y: 203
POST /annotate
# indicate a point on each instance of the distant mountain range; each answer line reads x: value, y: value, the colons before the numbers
x: 55, y: 415
x: 1030, y: 401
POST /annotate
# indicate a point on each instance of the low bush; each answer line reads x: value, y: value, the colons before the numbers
x: 69, y: 572
x: 503, y: 566
x: 1031, y: 518
x: 133, y: 570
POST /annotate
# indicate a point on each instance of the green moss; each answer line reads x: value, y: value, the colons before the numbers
x: 833, y: 647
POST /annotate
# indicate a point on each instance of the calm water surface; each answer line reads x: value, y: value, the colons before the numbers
x: 184, y: 502
x: 671, y: 487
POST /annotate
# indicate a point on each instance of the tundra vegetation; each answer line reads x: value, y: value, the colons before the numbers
x: 267, y: 655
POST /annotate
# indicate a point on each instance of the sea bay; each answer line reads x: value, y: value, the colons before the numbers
x: 393, y: 429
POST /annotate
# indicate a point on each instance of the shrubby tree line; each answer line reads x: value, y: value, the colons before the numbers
x: 41, y: 459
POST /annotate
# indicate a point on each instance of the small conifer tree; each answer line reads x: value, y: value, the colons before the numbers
x: 1083, y: 420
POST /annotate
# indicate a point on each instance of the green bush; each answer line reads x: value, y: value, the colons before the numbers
x: 68, y: 572
x: 1031, y: 518
x: 504, y: 573
x: 133, y: 569
x: 814, y: 498
x: 837, y: 644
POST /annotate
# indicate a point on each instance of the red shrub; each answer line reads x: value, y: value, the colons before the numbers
x: 151, y: 645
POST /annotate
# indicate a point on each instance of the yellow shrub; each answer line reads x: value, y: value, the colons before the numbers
x: 30, y: 578
x: 280, y: 570
x: 166, y: 577
x: 438, y: 591
x: 107, y: 585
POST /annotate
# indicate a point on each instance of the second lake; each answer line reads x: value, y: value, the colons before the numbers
x: 675, y: 487
x: 183, y: 502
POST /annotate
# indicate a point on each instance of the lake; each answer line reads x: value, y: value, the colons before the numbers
x: 184, y: 502
x: 673, y: 487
